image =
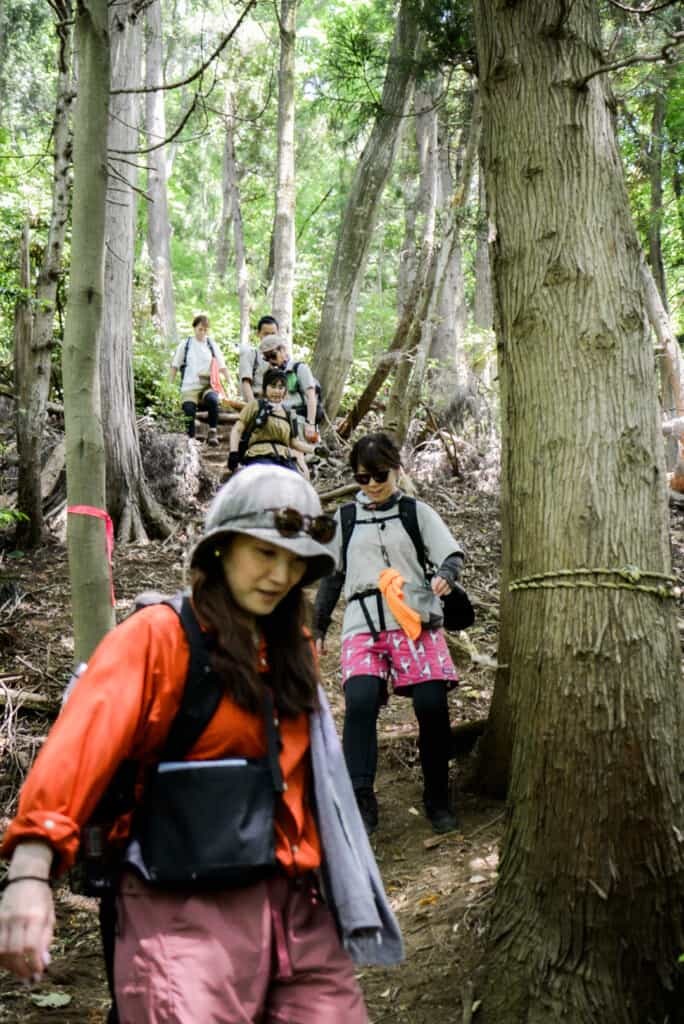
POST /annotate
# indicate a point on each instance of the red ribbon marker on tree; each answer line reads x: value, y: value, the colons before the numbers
x: 99, y: 513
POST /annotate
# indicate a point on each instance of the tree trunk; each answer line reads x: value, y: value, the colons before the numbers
x: 482, y: 303
x: 158, y: 226
x: 33, y: 358
x: 284, y: 222
x: 399, y: 410
x: 655, y: 166
x: 335, y: 346
x: 232, y: 203
x: 89, y: 572
x: 129, y: 500
x: 587, y: 920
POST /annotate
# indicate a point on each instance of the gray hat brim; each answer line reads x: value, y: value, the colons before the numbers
x: 319, y: 560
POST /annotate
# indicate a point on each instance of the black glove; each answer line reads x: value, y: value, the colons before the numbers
x: 233, y: 461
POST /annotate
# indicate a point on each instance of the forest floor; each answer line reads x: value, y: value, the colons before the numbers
x: 441, y: 887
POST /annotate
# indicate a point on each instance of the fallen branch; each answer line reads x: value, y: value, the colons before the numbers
x: 26, y: 698
x: 339, y: 492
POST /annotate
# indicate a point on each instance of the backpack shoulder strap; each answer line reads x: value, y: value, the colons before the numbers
x: 210, y: 343
x: 408, y: 513
x: 185, y: 358
x: 203, y: 689
x: 347, y: 523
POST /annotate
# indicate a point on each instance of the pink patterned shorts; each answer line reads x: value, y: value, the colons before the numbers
x: 396, y: 659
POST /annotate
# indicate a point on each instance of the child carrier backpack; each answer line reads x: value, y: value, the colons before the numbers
x: 456, y: 607
x: 294, y: 387
x: 264, y: 410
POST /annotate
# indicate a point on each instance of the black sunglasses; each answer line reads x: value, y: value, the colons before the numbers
x: 379, y: 475
x: 289, y: 522
x: 272, y: 356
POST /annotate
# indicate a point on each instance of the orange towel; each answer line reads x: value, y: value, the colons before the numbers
x: 390, y: 582
x: 215, y: 378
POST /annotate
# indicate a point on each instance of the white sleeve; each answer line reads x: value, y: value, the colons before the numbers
x: 177, y: 360
x: 246, y: 365
x: 438, y: 540
x: 305, y: 377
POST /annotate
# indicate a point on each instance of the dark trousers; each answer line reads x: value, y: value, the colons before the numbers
x: 364, y: 695
x: 210, y: 402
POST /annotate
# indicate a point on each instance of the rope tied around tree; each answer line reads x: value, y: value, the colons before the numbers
x: 629, y: 577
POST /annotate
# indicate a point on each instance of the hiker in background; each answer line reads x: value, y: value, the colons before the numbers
x: 301, y: 384
x: 390, y: 632
x: 192, y: 945
x: 266, y: 430
x: 252, y: 365
x: 201, y: 366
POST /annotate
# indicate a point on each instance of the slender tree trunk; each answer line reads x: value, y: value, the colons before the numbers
x: 399, y: 410
x: 335, y: 345
x: 655, y: 164
x: 232, y: 207
x: 89, y: 572
x: 226, y: 222
x: 33, y: 359
x: 587, y: 923
x: 482, y: 304
x: 129, y: 500
x: 158, y: 225
x: 284, y: 223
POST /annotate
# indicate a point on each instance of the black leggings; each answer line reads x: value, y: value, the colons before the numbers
x: 210, y: 402
x: 363, y: 697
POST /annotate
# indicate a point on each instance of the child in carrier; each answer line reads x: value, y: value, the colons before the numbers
x: 198, y: 939
x: 266, y: 430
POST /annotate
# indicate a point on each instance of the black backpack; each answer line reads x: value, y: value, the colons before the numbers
x: 293, y: 386
x: 457, y: 610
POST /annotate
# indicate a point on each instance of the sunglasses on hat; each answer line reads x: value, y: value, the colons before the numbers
x: 289, y: 522
x: 271, y: 356
x: 379, y: 475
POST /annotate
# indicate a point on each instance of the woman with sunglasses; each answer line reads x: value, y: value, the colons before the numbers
x: 378, y: 648
x: 268, y: 428
x: 272, y: 949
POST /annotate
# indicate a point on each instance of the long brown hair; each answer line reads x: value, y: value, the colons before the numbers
x: 292, y: 674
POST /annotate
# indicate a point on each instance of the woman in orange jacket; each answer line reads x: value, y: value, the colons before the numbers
x: 209, y: 945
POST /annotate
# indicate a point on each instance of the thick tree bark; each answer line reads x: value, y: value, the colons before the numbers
x: 284, y: 221
x: 129, y: 499
x: 33, y: 360
x: 89, y: 572
x: 158, y: 225
x: 587, y: 920
x: 232, y: 212
x: 335, y: 346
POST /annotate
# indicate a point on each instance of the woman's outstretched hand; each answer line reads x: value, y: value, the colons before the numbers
x: 27, y: 915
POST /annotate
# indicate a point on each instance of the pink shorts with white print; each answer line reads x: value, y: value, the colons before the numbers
x: 398, y: 660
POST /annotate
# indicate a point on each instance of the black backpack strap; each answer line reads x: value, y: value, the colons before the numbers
x: 347, y: 522
x: 408, y: 513
x: 210, y: 343
x: 203, y: 689
x: 185, y: 359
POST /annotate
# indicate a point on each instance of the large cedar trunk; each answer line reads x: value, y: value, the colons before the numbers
x: 89, y: 573
x: 33, y: 354
x: 232, y: 218
x: 129, y: 500
x: 284, y: 222
x: 158, y: 227
x: 587, y: 923
x: 335, y: 345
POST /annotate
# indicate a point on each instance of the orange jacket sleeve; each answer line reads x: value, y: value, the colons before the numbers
x: 121, y: 707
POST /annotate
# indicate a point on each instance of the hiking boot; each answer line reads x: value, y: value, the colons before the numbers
x: 368, y: 808
x: 440, y: 817
x: 212, y: 437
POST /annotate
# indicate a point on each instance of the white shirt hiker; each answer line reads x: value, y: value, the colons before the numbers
x: 198, y: 363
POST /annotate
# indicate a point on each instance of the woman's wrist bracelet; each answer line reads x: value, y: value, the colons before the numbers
x: 27, y: 878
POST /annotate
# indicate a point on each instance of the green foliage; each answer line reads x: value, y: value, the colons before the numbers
x: 10, y: 517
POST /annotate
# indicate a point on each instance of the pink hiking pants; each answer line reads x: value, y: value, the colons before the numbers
x: 267, y: 954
